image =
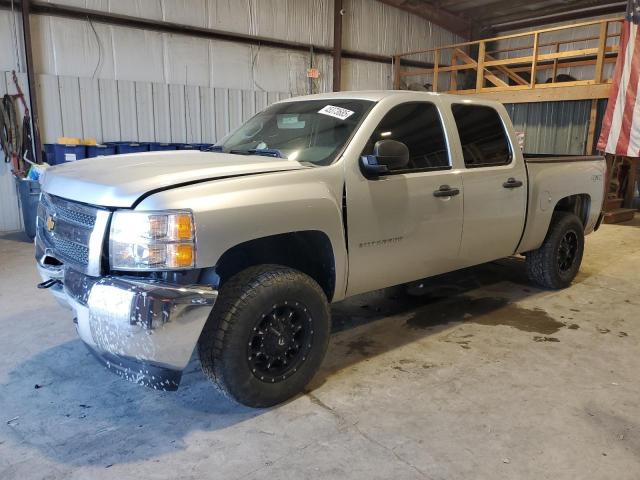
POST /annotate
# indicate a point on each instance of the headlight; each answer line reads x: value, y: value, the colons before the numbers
x: 152, y: 240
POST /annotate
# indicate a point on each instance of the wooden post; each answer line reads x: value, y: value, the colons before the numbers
x: 396, y: 72
x: 602, y: 47
x: 588, y: 149
x: 535, y: 60
x: 631, y: 183
x: 33, y: 97
x: 482, y: 48
x: 337, y: 45
x: 453, y: 82
x: 554, y: 72
x: 436, y: 63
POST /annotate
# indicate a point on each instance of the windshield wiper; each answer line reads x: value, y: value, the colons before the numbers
x: 265, y: 152
x: 213, y: 148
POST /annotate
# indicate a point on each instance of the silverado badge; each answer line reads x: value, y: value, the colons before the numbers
x: 51, y: 223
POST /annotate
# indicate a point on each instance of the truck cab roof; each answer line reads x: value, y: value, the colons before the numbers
x: 378, y: 95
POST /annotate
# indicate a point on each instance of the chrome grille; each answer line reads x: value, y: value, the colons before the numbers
x: 71, y: 251
x: 71, y: 232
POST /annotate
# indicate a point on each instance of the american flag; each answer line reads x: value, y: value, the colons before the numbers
x: 620, y: 134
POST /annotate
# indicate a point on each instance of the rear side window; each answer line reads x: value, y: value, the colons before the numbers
x: 418, y: 126
x: 482, y: 135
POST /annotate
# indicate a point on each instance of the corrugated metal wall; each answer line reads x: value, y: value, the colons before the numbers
x: 116, y: 83
x: 552, y: 127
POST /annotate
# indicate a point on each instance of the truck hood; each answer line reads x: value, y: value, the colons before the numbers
x: 118, y: 181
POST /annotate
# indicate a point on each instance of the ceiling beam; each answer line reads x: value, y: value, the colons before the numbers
x: 502, y: 24
x: 439, y: 16
x: 518, y: 9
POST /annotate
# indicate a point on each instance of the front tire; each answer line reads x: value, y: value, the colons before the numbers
x: 267, y: 335
x: 556, y: 263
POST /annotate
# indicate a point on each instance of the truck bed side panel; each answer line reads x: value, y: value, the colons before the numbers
x: 554, y: 178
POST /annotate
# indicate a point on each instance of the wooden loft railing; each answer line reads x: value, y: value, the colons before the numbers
x: 509, y: 74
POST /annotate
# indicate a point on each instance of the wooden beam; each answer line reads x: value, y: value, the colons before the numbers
x: 436, y: 65
x: 602, y: 46
x: 555, y: 94
x: 508, y: 72
x: 588, y: 149
x: 439, y: 16
x: 534, y: 61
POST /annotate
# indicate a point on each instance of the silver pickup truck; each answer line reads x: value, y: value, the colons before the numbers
x: 240, y: 250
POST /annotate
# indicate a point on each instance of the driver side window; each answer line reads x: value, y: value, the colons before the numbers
x: 418, y: 126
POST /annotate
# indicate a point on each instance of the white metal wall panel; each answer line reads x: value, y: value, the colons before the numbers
x: 222, y: 112
x: 186, y: 60
x: 138, y: 55
x: 177, y: 113
x: 70, y: 106
x: 161, y: 120
x: 9, y: 58
x: 229, y: 15
x: 127, y: 110
x: 90, y: 107
x: 231, y: 65
x: 186, y: 12
x: 193, y: 118
x: 109, y: 113
x: 235, y: 108
x: 144, y: 112
x: 208, y: 114
x: 50, y: 111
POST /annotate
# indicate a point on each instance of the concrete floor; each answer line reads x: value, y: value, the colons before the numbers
x: 482, y: 377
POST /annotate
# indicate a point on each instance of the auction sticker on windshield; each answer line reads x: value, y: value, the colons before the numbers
x: 336, y: 112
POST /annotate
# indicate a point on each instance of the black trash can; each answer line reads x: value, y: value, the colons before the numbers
x: 29, y: 194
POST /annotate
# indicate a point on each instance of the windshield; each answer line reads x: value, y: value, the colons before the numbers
x: 312, y: 131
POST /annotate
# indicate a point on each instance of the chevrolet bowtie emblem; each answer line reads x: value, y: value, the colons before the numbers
x: 51, y: 223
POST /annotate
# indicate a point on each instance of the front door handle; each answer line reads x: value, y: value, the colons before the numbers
x: 446, y: 191
x: 512, y: 183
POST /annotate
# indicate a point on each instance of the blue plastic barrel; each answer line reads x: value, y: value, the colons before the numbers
x: 100, y: 150
x: 157, y: 147
x: 29, y: 194
x: 131, y: 148
x: 49, y: 153
x: 68, y: 153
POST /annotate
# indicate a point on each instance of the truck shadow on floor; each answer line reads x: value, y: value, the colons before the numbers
x: 67, y: 406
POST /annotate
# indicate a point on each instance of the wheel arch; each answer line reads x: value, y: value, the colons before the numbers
x: 309, y: 251
x: 578, y: 204
x: 539, y: 221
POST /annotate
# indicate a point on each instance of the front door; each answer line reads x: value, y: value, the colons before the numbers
x: 494, y: 180
x: 401, y: 227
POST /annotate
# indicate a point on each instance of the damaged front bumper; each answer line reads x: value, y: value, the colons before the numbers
x: 143, y: 330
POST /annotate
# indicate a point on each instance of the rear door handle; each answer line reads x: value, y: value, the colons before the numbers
x: 512, y: 183
x: 446, y: 191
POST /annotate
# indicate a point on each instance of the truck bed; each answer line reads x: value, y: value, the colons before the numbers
x: 553, y: 177
x: 549, y: 158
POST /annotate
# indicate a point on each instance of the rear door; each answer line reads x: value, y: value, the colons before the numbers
x: 398, y: 230
x: 494, y: 181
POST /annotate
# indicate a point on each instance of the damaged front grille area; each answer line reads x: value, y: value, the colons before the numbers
x: 71, y: 232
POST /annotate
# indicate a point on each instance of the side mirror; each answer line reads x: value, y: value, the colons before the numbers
x: 387, y: 155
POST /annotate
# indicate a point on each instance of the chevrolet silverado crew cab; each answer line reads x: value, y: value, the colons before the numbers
x: 240, y: 250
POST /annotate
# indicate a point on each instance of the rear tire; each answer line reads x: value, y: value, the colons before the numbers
x: 556, y: 263
x: 267, y: 335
